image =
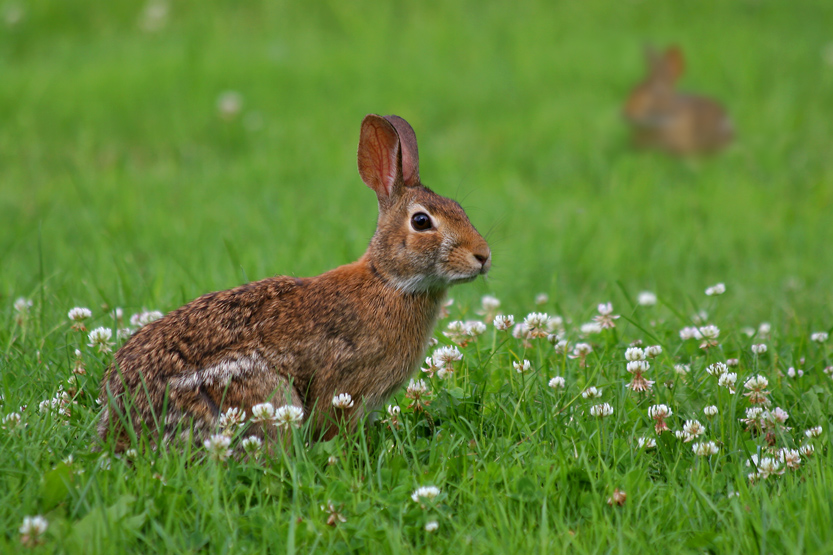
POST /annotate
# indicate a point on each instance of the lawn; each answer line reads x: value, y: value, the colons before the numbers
x: 152, y: 153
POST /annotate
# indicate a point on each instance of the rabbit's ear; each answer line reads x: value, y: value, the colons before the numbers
x: 380, y: 156
x: 674, y: 62
x: 410, y: 152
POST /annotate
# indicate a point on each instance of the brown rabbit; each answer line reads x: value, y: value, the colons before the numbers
x: 360, y: 329
x: 662, y: 118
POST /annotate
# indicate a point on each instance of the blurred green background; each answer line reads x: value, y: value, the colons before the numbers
x: 123, y: 183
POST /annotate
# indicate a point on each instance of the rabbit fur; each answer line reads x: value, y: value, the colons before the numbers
x: 361, y: 328
x: 663, y: 118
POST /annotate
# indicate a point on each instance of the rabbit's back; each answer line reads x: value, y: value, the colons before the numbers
x: 696, y: 124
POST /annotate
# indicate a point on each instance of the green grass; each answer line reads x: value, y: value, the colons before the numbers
x: 120, y: 186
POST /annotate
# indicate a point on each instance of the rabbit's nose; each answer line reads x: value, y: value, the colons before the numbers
x: 485, y: 259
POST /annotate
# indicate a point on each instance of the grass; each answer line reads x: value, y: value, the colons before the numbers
x: 122, y: 187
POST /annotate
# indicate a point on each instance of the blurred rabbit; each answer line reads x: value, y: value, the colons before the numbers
x: 360, y: 329
x: 663, y: 118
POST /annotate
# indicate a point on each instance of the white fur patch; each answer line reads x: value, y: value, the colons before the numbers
x: 221, y: 373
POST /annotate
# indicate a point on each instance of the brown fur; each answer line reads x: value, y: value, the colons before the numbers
x: 665, y: 119
x: 360, y: 329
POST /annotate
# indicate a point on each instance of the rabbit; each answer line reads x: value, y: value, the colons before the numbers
x: 360, y: 329
x: 678, y: 123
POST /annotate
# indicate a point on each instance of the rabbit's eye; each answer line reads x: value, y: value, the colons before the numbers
x: 420, y: 221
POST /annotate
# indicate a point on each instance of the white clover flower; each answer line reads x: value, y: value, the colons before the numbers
x: 807, y: 450
x: 659, y: 411
x: 251, y: 444
x: 618, y: 498
x: 474, y: 328
x: 22, y: 305
x: 693, y: 428
x: 558, y: 382
x: 646, y: 443
x: 79, y: 314
x: 813, y: 432
x: 754, y: 413
x: 591, y: 393
x: 705, y: 448
x: 605, y: 309
x: 58, y: 405
x: 535, y: 325
x: 536, y: 320
x: 646, y: 298
x: 144, y: 318
x: 455, y: 330
x: 129, y: 454
x: 489, y: 303
x: 681, y: 435
x: 710, y: 410
x: 521, y: 367
x: 416, y: 389
x: 682, y: 369
x: 123, y: 333
x: 777, y: 414
x: 768, y: 466
x: 263, y: 413
x: 634, y: 353
x: 792, y: 372
x: 32, y: 529
x: 756, y: 383
x: 639, y: 383
x: 728, y: 380
x: 332, y: 460
x: 154, y: 16
x: 394, y: 410
x: 605, y: 319
x: 582, y: 350
x: 717, y: 289
x: 503, y: 323
x: 638, y: 366
x: 653, y: 351
x: 601, y: 411
x: 764, y: 329
x: 425, y: 493
x: 218, y: 447
x: 709, y: 332
x: 717, y: 369
x: 431, y: 525
x: 790, y: 457
x: 555, y: 324
x: 690, y: 333
x: 541, y: 298
x: 520, y: 331
x: 748, y: 331
x: 759, y: 349
x: 732, y: 362
x: 231, y: 419
x: 445, y: 356
x: 819, y: 336
x: 100, y: 338
x: 229, y: 105
x: 10, y: 421
x: 591, y: 328
x: 289, y: 416
x: 343, y: 401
